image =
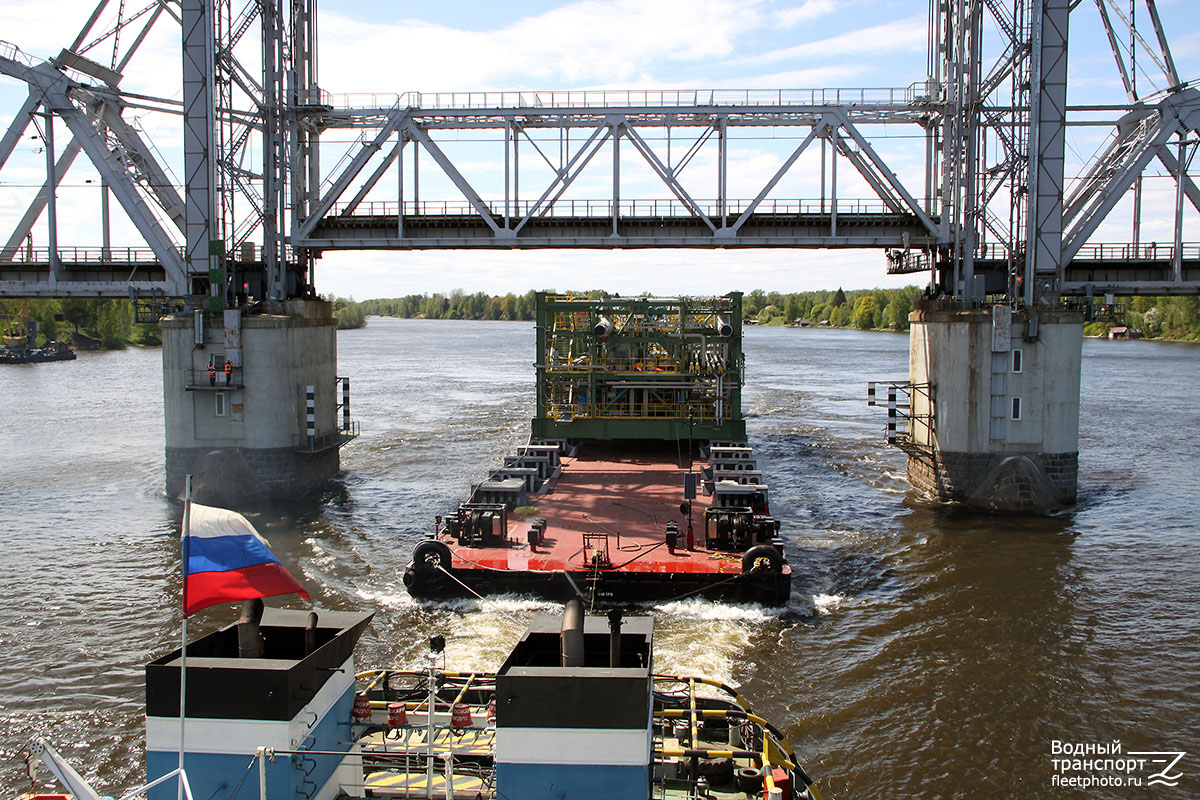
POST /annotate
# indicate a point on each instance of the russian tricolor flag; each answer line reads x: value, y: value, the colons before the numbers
x: 225, y: 560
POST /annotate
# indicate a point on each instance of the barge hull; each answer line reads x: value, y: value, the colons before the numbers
x: 768, y: 588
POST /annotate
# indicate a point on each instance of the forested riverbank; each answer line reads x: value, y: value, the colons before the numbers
x: 84, y: 323
x: 860, y: 308
x: 109, y: 323
x: 1171, y: 318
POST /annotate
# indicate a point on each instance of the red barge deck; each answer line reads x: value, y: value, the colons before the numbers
x: 621, y: 514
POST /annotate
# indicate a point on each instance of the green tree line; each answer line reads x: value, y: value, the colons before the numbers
x: 1175, y: 318
x: 82, y: 322
x: 348, y: 313
x: 456, y: 305
x: 109, y: 323
x: 866, y: 309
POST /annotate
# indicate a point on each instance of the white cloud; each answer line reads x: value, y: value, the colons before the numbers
x: 807, y: 12
x: 907, y: 34
x: 835, y: 74
x: 578, y: 43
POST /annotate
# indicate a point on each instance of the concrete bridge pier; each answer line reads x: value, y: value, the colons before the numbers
x: 251, y: 401
x: 994, y: 416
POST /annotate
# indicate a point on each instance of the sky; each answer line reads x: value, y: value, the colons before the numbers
x: 392, y: 47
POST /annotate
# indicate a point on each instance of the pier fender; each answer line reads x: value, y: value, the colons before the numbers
x: 763, y: 557
x: 431, y: 554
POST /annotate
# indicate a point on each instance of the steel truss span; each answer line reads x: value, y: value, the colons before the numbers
x: 274, y: 171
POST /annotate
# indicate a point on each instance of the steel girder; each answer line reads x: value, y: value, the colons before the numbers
x: 990, y: 140
x: 128, y: 169
x: 1141, y: 137
x: 507, y: 226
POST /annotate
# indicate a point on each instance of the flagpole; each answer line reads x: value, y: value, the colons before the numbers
x: 184, y: 542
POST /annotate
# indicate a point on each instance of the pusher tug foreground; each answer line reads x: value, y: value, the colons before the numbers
x: 277, y: 710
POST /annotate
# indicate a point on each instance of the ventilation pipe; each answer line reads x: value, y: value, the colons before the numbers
x: 614, y: 638
x: 572, y: 634
x: 310, y: 634
x: 250, y: 640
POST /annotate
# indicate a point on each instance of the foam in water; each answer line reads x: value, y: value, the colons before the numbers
x: 710, y: 610
x: 826, y: 604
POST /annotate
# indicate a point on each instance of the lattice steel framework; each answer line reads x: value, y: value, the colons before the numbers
x: 991, y: 212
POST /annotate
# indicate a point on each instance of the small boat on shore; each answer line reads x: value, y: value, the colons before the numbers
x: 51, y: 351
x: 20, y: 348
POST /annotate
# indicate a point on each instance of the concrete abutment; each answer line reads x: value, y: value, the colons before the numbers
x: 997, y: 427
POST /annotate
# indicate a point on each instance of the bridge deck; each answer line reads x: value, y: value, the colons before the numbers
x: 380, y: 231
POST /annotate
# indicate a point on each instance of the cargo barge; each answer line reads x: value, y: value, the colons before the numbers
x: 637, y: 483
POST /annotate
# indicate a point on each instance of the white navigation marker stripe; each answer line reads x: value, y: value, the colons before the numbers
x: 610, y: 747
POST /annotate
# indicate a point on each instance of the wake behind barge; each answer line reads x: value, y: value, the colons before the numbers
x: 637, y: 483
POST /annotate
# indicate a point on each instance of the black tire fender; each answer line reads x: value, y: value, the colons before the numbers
x: 762, y: 557
x: 431, y: 554
x: 750, y: 781
x: 717, y: 770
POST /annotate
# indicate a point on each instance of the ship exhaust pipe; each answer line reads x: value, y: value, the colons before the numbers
x: 250, y: 640
x: 571, y: 633
x: 603, y: 328
x: 310, y: 634
x: 614, y: 638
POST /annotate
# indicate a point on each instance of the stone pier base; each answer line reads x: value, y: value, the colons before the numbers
x: 1028, y: 482
x: 238, y: 475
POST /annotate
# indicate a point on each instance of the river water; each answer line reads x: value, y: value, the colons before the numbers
x: 926, y: 652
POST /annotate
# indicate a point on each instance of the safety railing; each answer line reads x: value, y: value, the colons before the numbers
x: 622, y: 409
x: 13, y: 53
x: 1151, y: 251
x: 902, y: 419
x: 919, y: 92
x: 82, y: 255
x: 1110, y: 251
x: 217, y: 380
x: 327, y: 440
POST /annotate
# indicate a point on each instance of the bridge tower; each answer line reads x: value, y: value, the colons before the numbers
x: 251, y: 397
x: 995, y: 353
x: 995, y: 423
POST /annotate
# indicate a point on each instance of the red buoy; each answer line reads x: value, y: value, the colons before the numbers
x: 397, y: 715
x: 460, y: 716
x: 362, y: 709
